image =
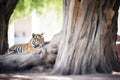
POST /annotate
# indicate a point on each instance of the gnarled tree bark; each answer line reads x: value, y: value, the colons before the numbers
x: 89, y: 37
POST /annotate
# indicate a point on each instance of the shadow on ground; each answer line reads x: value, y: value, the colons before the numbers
x: 46, y: 76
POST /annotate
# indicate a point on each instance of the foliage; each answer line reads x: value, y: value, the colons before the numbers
x: 56, y: 4
x: 25, y: 7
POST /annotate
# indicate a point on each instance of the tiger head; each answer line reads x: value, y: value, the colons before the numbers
x: 37, y: 40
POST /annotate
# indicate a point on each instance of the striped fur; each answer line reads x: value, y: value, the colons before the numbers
x: 32, y: 46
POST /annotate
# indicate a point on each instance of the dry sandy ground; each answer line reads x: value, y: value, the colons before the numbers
x: 45, y: 76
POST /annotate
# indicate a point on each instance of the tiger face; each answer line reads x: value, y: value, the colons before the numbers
x: 37, y: 40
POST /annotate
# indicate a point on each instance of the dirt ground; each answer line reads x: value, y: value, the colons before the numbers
x: 44, y: 75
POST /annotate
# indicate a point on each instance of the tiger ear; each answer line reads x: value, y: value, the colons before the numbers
x: 33, y: 34
x: 41, y: 33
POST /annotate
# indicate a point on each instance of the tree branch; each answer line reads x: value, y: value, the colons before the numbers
x: 20, y: 62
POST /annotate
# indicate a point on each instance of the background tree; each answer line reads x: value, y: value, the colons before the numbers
x: 88, y: 39
x: 6, y: 9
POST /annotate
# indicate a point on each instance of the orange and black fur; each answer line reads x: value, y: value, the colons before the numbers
x: 32, y: 46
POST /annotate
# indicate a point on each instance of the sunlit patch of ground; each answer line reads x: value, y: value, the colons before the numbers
x: 116, y: 73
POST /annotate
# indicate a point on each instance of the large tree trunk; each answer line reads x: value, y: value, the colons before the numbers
x: 6, y: 9
x: 88, y: 39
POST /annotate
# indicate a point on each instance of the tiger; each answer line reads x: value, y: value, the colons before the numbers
x: 32, y: 46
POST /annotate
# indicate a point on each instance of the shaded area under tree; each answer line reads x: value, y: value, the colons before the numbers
x: 85, y: 45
